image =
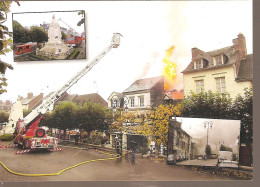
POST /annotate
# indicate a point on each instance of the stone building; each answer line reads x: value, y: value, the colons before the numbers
x: 5, y: 106
x: 225, y: 70
x: 180, y: 142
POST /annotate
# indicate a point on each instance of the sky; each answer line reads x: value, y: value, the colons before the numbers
x: 224, y: 132
x: 149, y: 28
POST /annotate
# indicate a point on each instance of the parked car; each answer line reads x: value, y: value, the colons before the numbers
x: 179, y: 158
x: 171, y: 159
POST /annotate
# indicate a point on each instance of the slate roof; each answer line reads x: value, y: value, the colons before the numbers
x: 81, y: 99
x: 230, y: 52
x: 143, y: 84
x: 245, y: 72
x: 26, y: 101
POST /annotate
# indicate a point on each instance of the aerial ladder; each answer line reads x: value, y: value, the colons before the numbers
x: 28, y: 134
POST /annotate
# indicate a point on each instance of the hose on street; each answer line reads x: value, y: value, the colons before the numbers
x: 58, y: 173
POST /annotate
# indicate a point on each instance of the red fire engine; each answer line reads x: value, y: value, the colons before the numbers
x: 74, y: 41
x: 25, y: 48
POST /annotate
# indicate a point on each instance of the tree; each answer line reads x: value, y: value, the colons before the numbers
x: 243, y: 110
x: 20, y: 33
x: 92, y: 116
x: 3, y: 117
x: 6, y: 43
x: 82, y: 13
x: 155, y: 123
x: 37, y: 34
x: 63, y: 117
x: 26, y: 112
x: 207, y: 105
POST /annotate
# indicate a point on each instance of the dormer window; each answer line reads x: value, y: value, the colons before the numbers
x: 198, y: 64
x: 218, y: 60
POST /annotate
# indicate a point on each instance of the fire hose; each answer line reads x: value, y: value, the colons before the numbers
x: 58, y: 173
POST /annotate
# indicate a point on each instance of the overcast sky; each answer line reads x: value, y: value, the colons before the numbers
x: 148, y: 29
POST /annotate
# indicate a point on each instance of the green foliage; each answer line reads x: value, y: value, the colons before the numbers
x: 6, y: 137
x: 63, y: 36
x: 6, y: 43
x: 37, y: 34
x: 3, y: 116
x: 221, y: 106
x: 82, y: 13
x: 92, y: 116
x: 243, y: 110
x: 26, y: 112
x: 208, y: 150
x: 68, y: 115
x: 23, y: 35
x: 225, y: 148
x: 207, y: 105
x: 97, y: 138
x: 152, y: 123
x: 74, y: 55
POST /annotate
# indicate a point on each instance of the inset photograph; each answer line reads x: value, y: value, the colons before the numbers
x: 205, y: 142
x: 45, y: 36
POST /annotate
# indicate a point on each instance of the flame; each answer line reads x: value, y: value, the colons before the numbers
x: 169, y: 71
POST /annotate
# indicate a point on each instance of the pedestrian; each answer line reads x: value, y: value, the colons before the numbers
x: 77, y: 139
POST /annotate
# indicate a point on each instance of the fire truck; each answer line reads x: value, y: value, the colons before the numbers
x: 28, y: 133
x: 74, y: 41
x: 25, y: 48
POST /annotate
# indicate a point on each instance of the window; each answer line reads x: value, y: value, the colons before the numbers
x: 115, y: 103
x: 218, y: 60
x: 141, y: 101
x: 132, y: 102
x: 199, y: 85
x: 221, y: 85
x: 198, y: 64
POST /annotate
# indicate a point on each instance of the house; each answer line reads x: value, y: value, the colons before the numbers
x: 225, y: 70
x: 142, y: 95
x: 145, y: 93
x: 180, y: 142
x: 173, y: 97
x: 5, y: 106
x: 31, y: 101
x: 81, y: 99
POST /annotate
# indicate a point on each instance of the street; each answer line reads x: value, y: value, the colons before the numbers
x: 107, y: 170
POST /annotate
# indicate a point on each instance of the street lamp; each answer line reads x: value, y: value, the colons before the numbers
x: 208, y: 124
x: 116, y: 102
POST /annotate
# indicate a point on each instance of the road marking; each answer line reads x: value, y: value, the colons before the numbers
x: 77, y: 152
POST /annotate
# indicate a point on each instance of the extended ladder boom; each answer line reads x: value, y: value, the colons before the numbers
x: 46, y: 104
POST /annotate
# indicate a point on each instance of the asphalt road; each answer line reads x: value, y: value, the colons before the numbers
x: 109, y: 170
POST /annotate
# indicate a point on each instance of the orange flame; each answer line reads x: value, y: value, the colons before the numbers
x: 169, y: 71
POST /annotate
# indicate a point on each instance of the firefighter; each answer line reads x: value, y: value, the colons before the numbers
x: 118, y: 146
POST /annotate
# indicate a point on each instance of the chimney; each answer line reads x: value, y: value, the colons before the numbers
x: 29, y: 95
x: 239, y: 44
x: 195, y: 52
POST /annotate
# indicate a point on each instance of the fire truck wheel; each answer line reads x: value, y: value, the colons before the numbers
x: 40, y: 132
